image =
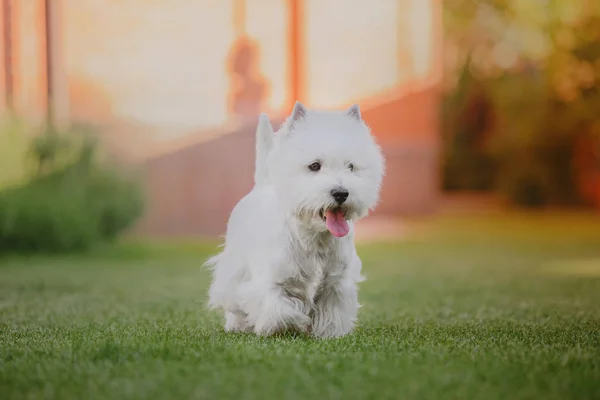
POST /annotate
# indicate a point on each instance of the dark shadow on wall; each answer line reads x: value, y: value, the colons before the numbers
x: 249, y: 88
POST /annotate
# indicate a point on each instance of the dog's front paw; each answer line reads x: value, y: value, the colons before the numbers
x: 235, y: 323
x: 331, y: 324
x: 281, y: 320
x: 335, y: 311
x: 274, y: 328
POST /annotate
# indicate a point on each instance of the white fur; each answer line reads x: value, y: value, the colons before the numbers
x: 280, y: 268
x: 264, y: 142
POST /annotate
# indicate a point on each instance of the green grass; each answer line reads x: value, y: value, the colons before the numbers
x: 490, y: 307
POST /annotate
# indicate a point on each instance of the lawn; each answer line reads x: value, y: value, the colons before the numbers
x: 489, y: 307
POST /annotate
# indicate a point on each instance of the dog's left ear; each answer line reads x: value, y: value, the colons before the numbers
x: 298, y: 113
x: 354, y: 112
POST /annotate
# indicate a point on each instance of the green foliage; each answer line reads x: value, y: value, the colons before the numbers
x: 467, y: 117
x: 15, y: 144
x: 73, y: 202
x: 114, y: 199
x: 539, y: 68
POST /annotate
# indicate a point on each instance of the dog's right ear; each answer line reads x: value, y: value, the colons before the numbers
x: 298, y: 113
x: 354, y: 112
x: 264, y: 143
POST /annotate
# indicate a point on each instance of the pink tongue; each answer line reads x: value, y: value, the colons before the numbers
x: 336, y: 223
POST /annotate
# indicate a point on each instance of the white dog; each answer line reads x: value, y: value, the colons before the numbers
x: 289, y: 261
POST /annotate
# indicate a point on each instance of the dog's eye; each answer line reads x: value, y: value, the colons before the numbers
x: 351, y: 167
x: 314, y: 167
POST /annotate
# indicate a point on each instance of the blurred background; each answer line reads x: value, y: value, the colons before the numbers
x: 139, y: 116
x: 135, y: 120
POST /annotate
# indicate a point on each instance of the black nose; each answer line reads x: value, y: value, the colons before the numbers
x: 340, y: 195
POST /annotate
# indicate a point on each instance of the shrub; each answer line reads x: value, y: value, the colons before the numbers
x: 467, y: 121
x: 545, y: 102
x: 536, y: 141
x: 115, y: 200
x: 15, y: 144
x: 73, y: 202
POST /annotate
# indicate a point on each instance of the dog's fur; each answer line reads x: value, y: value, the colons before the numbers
x: 283, y: 266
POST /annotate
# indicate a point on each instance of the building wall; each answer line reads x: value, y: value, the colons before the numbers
x: 156, y: 70
x: 193, y: 190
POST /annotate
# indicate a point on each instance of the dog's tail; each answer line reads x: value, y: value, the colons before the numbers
x: 264, y: 142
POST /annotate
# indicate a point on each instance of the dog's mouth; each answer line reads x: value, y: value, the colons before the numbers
x: 335, y: 221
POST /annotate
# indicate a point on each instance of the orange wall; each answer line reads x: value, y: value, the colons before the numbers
x: 28, y: 54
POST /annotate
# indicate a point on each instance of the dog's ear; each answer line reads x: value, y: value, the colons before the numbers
x: 298, y: 113
x: 354, y: 112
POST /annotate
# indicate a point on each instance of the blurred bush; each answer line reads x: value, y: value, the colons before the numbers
x: 67, y: 196
x: 522, y: 116
x: 467, y: 118
x: 15, y: 143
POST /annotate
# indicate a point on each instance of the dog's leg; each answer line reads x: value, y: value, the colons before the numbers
x: 235, y: 322
x: 280, y: 312
x: 336, y: 306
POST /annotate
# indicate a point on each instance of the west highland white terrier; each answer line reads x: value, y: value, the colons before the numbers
x: 289, y: 261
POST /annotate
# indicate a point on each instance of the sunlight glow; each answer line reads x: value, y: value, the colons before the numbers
x: 160, y: 65
x: 421, y: 33
x: 165, y: 64
x: 356, y: 50
x: 272, y: 36
x: 351, y: 50
x: 29, y: 67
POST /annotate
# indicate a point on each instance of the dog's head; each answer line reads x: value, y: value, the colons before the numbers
x: 326, y: 167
